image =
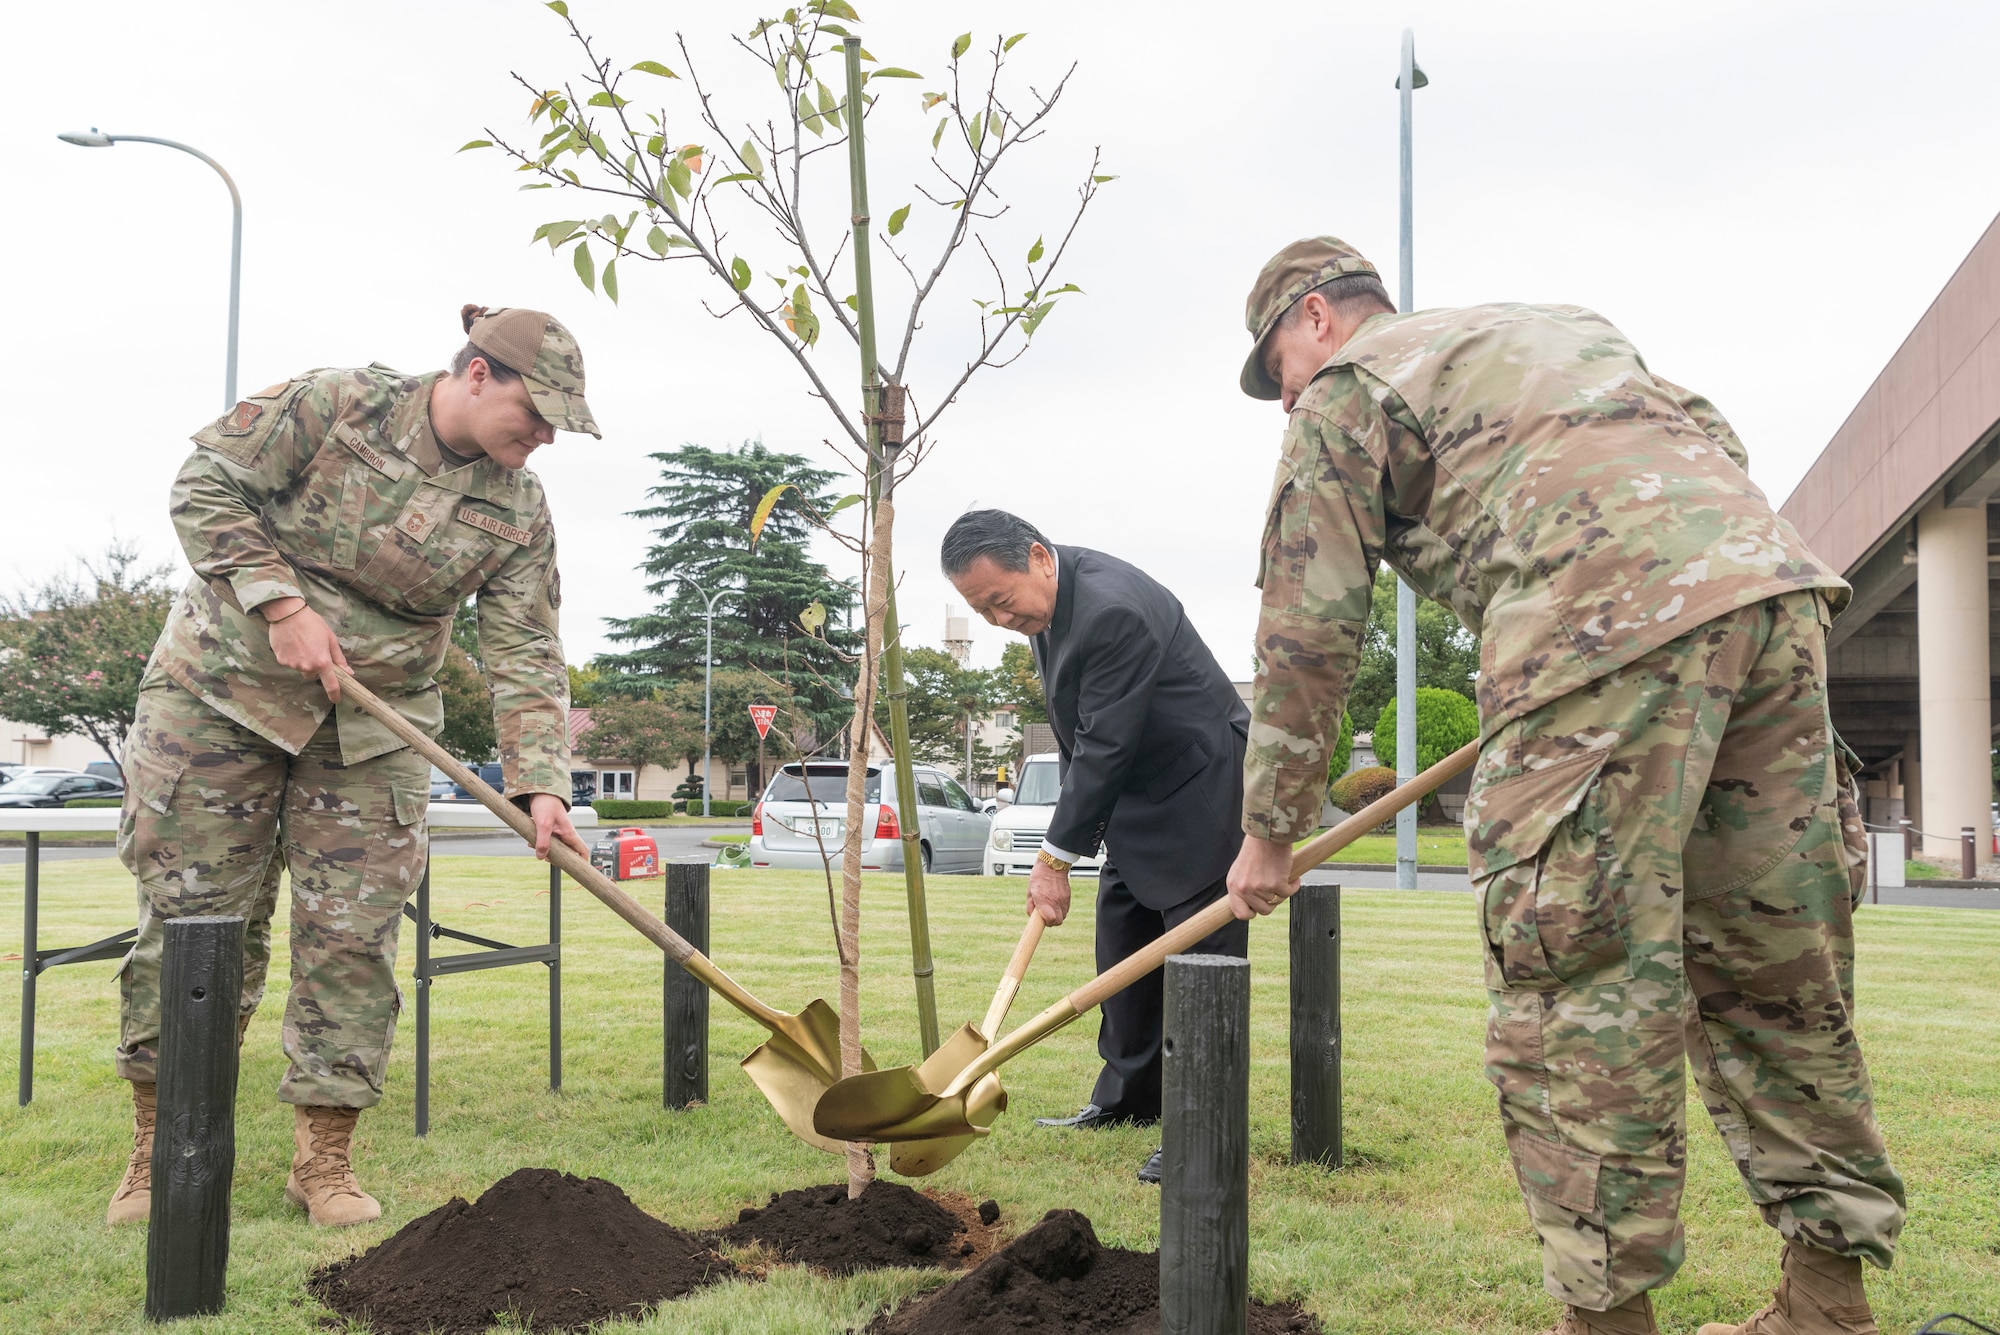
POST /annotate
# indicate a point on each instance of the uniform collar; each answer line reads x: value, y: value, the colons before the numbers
x: 411, y: 432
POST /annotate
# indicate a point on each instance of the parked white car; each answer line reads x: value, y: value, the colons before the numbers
x: 1018, y: 829
x: 804, y: 814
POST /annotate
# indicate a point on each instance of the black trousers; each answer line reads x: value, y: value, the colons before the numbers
x: 1128, y: 1037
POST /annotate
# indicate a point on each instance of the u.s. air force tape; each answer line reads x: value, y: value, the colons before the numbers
x: 498, y: 527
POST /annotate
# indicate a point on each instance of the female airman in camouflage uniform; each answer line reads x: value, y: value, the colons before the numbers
x: 340, y: 518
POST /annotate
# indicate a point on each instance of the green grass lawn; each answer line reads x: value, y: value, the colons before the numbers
x: 1421, y: 1232
x: 1436, y: 847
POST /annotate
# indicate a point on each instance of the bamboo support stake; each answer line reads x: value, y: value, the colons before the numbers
x: 882, y: 488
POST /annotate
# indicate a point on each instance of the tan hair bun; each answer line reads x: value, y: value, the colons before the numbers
x: 468, y: 313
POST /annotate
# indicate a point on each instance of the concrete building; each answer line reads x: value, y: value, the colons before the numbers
x: 26, y: 744
x: 1900, y: 502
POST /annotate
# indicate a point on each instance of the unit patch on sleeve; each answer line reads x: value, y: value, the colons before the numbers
x: 498, y: 527
x: 241, y: 418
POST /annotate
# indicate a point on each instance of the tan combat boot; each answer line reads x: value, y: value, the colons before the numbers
x: 1819, y: 1295
x: 322, y: 1177
x: 1634, y: 1316
x: 133, y: 1201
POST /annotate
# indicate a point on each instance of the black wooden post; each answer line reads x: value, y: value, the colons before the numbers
x: 1315, y: 929
x: 686, y: 1001
x: 1205, y: 1188
x: 194, y: 1147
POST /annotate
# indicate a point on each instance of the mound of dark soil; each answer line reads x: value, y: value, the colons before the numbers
x: 1058, y: 1277
x: 890, y: 1225
x: 560, y: 1251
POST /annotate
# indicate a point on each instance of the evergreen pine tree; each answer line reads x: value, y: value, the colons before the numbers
x: 702, y: 508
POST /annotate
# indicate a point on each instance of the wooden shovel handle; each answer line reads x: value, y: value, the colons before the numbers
x: 1010, y: 982
x: 574, y: 864
x: 1304, y: 858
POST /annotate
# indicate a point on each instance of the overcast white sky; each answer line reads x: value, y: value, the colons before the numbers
x: 1764, y: 197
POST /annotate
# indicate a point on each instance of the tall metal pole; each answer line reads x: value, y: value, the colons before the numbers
x: 95, y: 139
x: 1406, y: 597
x: 707, y: 679
x: 882, y: 487
x: 707, y: 693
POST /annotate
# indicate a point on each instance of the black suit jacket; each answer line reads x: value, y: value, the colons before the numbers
x: 1152, y: 733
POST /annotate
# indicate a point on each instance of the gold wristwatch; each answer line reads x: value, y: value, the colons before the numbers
x: 1050, y: 859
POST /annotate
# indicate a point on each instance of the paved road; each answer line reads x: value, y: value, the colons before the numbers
x: 674, y: 842
x: 685, y: 841
x: 1922, y: 896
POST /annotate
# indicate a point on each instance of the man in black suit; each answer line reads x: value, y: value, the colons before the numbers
x: 1152, y: 737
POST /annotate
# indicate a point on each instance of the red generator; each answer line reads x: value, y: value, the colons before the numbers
x: 626, y: 855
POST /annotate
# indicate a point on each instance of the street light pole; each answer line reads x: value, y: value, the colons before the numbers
x: 97, y: 139
x: 1408, y: 80
x: 707, y: 677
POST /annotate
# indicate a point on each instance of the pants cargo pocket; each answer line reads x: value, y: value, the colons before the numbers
x: 146, y: 825
x: 1551, y: 1171
x: 1543, y: 864
x: 1847, y: 800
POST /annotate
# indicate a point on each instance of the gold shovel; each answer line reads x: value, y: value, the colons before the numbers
x: 915, y: 1158
x: 896, y: 1105
x: 794, y: 1067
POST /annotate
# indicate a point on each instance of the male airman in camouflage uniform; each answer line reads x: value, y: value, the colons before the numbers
x: 1659, y: 827
x: 340, y: 518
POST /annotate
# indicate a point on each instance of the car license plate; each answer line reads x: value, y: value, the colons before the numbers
x: 827, y: 830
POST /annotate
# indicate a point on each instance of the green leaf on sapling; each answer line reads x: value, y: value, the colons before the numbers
x: 897, y: 219
x: 586, y: 268
x: 1035, y: 252
x: 477, y: 143
x: 655, y: 67
x: 739, y: 273
x: 961, y: 46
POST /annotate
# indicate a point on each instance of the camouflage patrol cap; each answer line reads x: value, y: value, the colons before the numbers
x: 1287, y: 276
x: 544, y: 352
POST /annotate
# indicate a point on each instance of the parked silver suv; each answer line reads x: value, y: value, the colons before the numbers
x: 804, y: 812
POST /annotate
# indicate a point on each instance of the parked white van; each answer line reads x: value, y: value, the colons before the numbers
x: 1018, y: 829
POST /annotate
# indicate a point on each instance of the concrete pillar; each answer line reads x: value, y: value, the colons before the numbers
x: 1910, y: 773
x: 1954, y: 678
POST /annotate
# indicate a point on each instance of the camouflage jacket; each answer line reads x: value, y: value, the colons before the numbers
x: 1521, y: 465
x: 331, y: 487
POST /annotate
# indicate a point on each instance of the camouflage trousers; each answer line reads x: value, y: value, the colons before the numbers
x: 212, y: 813
x: 1667, y: 861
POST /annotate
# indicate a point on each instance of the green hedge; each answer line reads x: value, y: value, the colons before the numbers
x: 76, y: 802
x: 1343, y: 750
x: 1369, y: 784
x: 717, y: 807
x: 612, y: 809
x: 1446, y: 721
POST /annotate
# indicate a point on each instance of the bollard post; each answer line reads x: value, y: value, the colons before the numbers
x: 1205, y: 1125
x: 685, y: 1029
x: 194, y: 1145
x: 1968, y: 853
x: 1909, y: 839
x: 1315, y: 989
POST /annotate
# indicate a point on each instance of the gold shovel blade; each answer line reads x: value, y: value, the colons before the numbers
x: 978, y: 1107
x: 795, y: 1075
x: 855, y: 1109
